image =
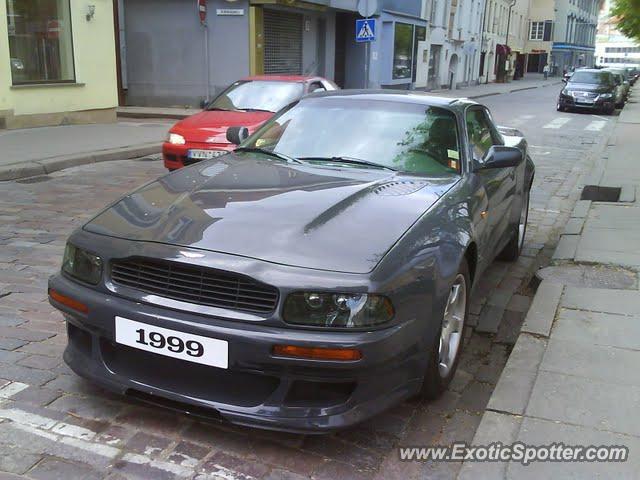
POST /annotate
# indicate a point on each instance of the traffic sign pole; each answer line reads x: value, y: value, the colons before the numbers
x: 366, y: 64
x: 366, y: 33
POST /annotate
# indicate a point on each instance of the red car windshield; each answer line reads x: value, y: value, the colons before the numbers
x: 262, y: 95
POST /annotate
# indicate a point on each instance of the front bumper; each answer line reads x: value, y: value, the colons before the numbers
x: 567, y: 101
x: 258, y: 389
x: 176, y: 156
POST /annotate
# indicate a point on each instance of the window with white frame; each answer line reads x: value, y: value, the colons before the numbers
x: 536, y: 31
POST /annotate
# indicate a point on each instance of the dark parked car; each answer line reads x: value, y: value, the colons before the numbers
x: 591, y: 89
x: 312, y: 278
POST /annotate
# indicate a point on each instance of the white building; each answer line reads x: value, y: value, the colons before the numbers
x: 613, y: 49
x: 453, y: 39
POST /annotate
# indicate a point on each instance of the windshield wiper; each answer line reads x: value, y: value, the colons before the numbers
x: 350, y: 160
x: 271, y: 153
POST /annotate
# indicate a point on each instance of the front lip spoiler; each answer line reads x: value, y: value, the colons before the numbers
x: 318, y: 425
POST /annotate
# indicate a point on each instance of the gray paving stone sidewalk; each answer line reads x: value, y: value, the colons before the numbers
x: 530, y: 81
x: 36, y: 151
x: 573, y: 375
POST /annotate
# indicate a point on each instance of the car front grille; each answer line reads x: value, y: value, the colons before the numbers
x: 590, y: 95
x: 195, y: 284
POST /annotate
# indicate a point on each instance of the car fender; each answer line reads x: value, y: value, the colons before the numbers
x: 425, y: 260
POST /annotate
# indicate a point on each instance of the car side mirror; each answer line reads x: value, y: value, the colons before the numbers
x: 564, y: 80
x: 500, y: 156
x: 237, y: 135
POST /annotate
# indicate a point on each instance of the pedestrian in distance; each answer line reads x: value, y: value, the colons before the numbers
x: 545, y: 70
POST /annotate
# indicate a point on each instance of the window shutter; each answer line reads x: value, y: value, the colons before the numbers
x: 548, y: 25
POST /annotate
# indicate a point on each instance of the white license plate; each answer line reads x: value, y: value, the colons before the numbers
x: 171, y: 343
x: 205, y: 154
x: 584, y: 100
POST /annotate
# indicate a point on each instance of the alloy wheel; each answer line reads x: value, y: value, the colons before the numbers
x: 452, y: 326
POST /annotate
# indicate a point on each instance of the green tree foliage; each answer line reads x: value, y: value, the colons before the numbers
x: 628, y: 13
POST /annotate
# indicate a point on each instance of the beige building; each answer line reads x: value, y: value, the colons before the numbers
x: 57, y: 62
x: 503, y: 40
x: 562, y: 33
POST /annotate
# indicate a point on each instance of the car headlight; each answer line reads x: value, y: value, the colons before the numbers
x: 353, y: 310
x: 564, y: 92
x: 606, y: 95
x: 82, y: 265
x: 176, y: 139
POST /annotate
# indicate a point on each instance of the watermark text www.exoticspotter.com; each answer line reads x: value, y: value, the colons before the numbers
x: 515, y: 452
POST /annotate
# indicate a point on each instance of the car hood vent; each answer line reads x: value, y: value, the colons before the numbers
x: 404, y: 187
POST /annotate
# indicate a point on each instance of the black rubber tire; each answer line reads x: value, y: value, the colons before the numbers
x: 609, y: 111
x: 511, y: 252
x: 172, y: 169
x: 433, y: 385
x: 559, y: 108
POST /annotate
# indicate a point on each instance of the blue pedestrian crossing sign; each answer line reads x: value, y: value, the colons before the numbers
x: 365, y: 30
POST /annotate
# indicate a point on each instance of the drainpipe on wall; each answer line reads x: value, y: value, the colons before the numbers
x: 484, y: 60
x: 506, y: 39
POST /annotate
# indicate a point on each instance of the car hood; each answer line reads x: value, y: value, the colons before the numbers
x: 587, y: 87
x: 322, y: 217
x: 210, y: 126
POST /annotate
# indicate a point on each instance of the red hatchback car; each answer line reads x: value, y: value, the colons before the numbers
x: 248, y: 102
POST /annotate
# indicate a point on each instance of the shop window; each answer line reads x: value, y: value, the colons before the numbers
x: 40, y: 41
x: 402, y: 51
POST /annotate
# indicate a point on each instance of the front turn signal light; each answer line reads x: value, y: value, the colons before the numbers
x: 317, y: 353
x: 68, y: 301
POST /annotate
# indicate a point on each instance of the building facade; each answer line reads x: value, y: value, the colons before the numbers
x: 504, y: 37
x: 613, y: 49
x: 169, y: 57
x: 562, y: 33
x: 452, y: 55
x: 58, y: 62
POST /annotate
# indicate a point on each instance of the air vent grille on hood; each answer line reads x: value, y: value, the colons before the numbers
x: 404, y: 187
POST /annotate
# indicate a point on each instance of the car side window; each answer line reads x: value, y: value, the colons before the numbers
x: 480, y: 132
x: 317, y: 87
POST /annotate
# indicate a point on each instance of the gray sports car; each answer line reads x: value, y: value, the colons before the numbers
x: 311, y: 279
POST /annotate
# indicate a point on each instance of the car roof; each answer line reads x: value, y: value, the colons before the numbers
x: 280, y: 78
x: 400, y: 96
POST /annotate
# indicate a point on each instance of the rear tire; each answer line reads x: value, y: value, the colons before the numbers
x: 442, y: 365
x: 512, y: 250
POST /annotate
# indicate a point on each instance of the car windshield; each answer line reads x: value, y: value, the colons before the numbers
x: 258, y: 95
x: 598, y: 78
x: 364, y: 133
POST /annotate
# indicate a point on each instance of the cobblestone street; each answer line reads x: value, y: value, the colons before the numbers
x: 55, y: 425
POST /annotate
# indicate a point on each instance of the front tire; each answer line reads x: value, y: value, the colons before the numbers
x: 511, y: 252
x: 560, y: 108
x: 447, y: 348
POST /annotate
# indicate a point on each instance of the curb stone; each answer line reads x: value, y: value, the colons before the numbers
x: 54, y: 164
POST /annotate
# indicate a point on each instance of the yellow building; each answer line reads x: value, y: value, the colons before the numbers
x: 57, y: 62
